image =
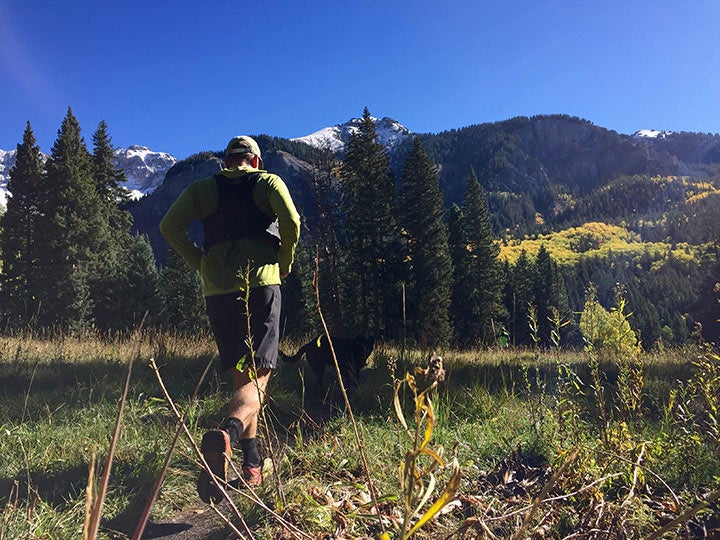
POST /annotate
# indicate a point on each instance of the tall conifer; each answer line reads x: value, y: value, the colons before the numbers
x: 108, y: 177
x: 543, y: 277
x: 182, y: 296
x: 482, y: 285
x: 519, y: 296
x: 458, y: 244
x: 372, y: 236
x: 114, y: 239
x: 427, y: 255
x: 548, y: 291
x: 299, y: 314
x: 136, y: 290
x: 328, y: 251
x: 20, y: 229
x: 73, y: 232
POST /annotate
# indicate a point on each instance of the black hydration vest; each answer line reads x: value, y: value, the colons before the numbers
x: 237, y: 215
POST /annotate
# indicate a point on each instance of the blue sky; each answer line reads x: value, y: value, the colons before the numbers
x: 183, y: 77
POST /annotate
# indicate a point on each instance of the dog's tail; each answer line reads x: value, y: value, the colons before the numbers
x: 301, y: 351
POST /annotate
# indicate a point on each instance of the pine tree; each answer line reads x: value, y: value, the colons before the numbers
x: 74, y: 232
x: 114, y: 238
x: 371, y: 266
x: 458, y: 244
x: 519, y: 296
x: 108, y: 177
x: 20, y: 228
x: 328, y: 246
x: 482, y: 286
x: 544, y: 294
x: 182, y: 298
x: 299, y: 316
x: 136, y: 292
x: 427, y: 254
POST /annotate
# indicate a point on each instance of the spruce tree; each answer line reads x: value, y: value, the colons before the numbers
x: 371, y: 266
x: 20, y: 229
x: 299, y: 314
x: 327, y: 249
x: 182, y: 296
x: 545, y: 291
x: 482, y: 285
x: 519, y: 296
x: 108, y: 177
x: 74, y: 237
x: 458, y: 244
x: 136, y: 291
x: 114, y: 240
x: 427, y: 254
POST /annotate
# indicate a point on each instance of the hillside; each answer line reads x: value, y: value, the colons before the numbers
x: 538, y: 162
x: 539, y: 173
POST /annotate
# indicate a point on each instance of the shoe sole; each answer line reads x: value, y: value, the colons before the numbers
x: 215, y: 446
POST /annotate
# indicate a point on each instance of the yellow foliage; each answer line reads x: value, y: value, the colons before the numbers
x: 592, y: 240
x: 698, y: 196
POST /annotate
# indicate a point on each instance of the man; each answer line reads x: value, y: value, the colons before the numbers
x: 251, y: 230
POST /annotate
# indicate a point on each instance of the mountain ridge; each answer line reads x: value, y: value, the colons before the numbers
x: 389, y: 131
x: 146, y: 169
x: 538, y: 158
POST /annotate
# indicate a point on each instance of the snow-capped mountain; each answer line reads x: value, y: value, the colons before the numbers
x: 145, y: 169
x: 390, y: 133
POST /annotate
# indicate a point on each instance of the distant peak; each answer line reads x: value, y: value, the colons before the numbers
x: 389, y: 131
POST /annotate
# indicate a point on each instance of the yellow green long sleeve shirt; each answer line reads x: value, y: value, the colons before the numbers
x: 224, y: 266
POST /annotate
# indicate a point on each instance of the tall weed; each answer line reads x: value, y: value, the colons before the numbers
x: 417, y: 470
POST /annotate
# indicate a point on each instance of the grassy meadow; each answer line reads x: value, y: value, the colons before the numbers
x: 511, y: 444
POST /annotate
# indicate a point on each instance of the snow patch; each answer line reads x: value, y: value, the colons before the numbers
x: 651, y: 134
x: 7, y: 160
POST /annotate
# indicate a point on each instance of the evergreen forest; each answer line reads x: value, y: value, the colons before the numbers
x: 435, y: 245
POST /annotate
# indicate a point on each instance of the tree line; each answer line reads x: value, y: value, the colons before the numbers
x: 392, y: 261
x: 395, y: 263
x: 69, y: 261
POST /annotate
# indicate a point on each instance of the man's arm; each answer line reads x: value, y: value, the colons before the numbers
x: 174, y: 227
x: 288, y: 221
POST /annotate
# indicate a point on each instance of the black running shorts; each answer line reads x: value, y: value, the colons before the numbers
x: 229, y: 326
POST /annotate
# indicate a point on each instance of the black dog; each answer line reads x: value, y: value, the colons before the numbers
x: 352, y: 355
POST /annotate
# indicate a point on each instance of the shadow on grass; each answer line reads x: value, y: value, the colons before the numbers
x: 32, y: 390
x: 511, y: 374
x: 61, y: 489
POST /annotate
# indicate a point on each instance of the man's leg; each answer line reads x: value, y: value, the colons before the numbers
x: 249, y: 391
x: 242, y: 419
x: 247, y: 398
x: 216, y: 445
x: 228, y: 322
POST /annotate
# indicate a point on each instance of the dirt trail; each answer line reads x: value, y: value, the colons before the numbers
x: 200, y: 522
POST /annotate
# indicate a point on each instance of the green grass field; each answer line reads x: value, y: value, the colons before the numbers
x: 548, y: 444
